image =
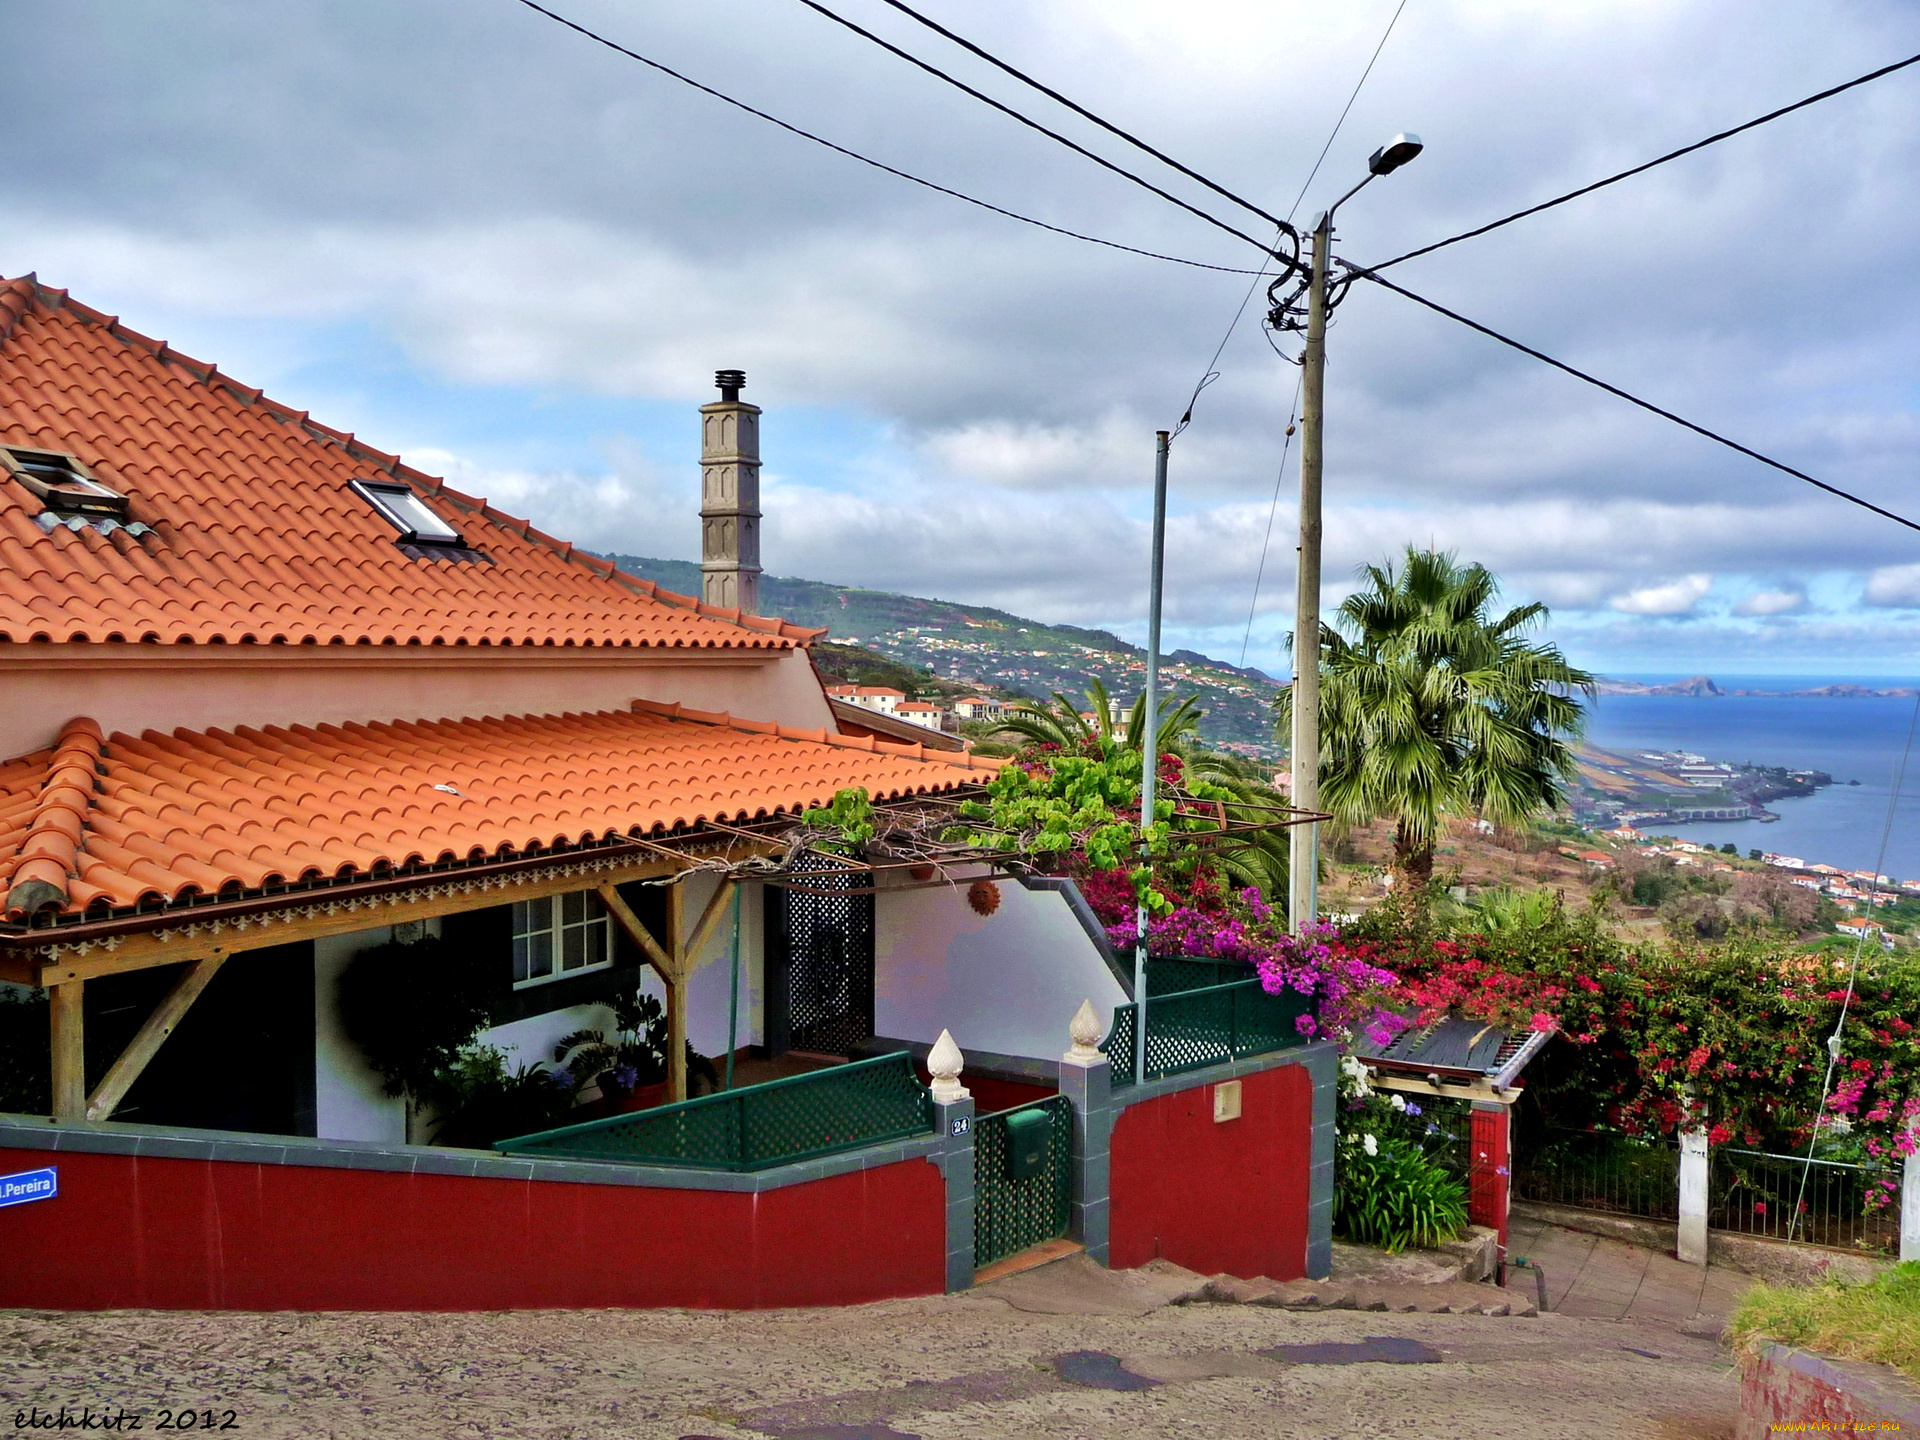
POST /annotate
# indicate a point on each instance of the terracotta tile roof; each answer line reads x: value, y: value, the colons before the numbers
x: 258, y: 535
x: 100, y: 827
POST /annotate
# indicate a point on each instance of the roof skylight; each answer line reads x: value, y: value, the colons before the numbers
x: 407, y: 513
x: 62, y: 482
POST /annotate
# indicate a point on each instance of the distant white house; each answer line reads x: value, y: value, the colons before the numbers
x: 881, y: 699
x: 920, y: 713
x: 1785, y: 862
x: 980, y: 707
x: 1866, y: 930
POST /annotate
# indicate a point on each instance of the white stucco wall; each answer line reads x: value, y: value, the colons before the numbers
x: 1006, y: 983
x: 348, y: 1098
x: 707, y: 990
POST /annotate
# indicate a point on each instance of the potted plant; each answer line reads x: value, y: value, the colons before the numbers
x: 630, y: 1062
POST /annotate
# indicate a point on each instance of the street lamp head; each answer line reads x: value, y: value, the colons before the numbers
x: 1395, y: 153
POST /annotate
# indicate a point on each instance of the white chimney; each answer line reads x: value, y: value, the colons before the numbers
x: 730, y: 497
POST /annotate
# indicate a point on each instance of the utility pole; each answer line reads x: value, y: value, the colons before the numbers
x: 1150, y: 735
x: 1303, y: 841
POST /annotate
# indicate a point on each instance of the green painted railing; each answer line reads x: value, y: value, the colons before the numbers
x: 1192, y: 1029
x: 844, y: 1107
x: 1011, y: 1215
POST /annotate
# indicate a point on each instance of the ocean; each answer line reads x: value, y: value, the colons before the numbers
x: 1849, y: 739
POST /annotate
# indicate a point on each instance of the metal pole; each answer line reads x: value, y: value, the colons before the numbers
x: 1303, y: 848
x: 733, y: 988
x: 1150, y: 738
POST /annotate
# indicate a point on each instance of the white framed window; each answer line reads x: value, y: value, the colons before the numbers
x: 407, y: 513
x: 559, y: 936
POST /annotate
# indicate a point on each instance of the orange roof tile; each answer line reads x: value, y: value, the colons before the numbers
x: 101, y: 827
x: 258, y: 536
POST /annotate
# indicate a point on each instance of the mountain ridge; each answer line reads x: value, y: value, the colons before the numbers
x: 990, y: 647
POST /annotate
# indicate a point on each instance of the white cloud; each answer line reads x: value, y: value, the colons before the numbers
x: 1772, y: 602
x: 1894, y: 585
x: 1677, y: 597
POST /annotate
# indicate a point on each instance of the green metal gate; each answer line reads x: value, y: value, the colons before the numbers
x: 1013, y: 1214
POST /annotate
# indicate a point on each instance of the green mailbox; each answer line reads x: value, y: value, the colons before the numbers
x: 1028, y: 1132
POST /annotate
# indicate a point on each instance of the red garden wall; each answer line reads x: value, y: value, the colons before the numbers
x: 128, y: 1232
x: 1216, y: 1196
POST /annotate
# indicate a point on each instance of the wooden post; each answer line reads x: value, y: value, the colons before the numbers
x: 160, y: 1024
x: 677, y: 993
x: 69, y: 1051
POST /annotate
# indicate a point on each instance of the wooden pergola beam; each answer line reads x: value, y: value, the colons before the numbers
x: 114, y: 1085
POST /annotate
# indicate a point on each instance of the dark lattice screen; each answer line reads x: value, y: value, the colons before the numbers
x: 824, y: 946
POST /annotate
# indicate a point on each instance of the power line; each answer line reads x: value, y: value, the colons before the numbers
x: 1055, y: 135
x: 1641, y: 169
x: 1384, y: 36
x: 1356, y: 272
x: 1083, y: 112
x: 668, y: 70
x: 1273, y: 508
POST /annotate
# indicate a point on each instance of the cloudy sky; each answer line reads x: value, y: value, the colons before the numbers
x: 473, y: 236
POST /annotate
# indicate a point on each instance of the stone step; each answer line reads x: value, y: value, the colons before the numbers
x: 1446, y: 1297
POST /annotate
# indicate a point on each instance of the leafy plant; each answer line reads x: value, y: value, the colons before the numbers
x: 849, y: 818
x: 1393, y: 1194
x: 412, y: 1009
x: 634, y: 1054
x: 480, y: 1100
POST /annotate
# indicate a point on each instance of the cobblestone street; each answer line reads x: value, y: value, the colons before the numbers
x: 958, y: 1368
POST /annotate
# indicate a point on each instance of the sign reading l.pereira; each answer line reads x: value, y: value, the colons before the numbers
x: 29, y: 1185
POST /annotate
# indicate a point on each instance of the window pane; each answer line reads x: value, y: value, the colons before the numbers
x: 597, y: 941
x: 573, y: 908
x: 575, y: 939
x: 520, y: 970
x: 539, y: 954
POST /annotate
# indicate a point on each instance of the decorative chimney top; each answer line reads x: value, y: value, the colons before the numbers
x: 731, y: 383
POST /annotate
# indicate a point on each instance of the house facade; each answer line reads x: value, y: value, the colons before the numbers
x: 273, y: 702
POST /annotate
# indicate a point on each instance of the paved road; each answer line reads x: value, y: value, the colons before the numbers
x: 959, y: 1368
x: 1607, y: 1279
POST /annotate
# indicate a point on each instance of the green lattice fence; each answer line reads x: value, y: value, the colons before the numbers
x: 1191, y: 1029
x: 1013, y: 1215
x: 844, y: 1107
x: 1172, y: 974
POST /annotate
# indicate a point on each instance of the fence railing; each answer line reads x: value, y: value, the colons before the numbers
x: 1191, y: 1029
x: 1601, y: 1170
x: 844, y: 1107
x: 1819, y: 1202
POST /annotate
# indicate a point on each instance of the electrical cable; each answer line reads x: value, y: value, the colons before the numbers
x: 1641, y: 169
x: 1108, y: 126
x: 1356, y: 272
x: 1836, y: 1040
x: 1384, y: 36
x: 1279, y: 479
x: 668, y: 70
x: 1072, y: 145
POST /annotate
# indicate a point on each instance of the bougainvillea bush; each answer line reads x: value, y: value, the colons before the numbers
x: 1661, y: 1036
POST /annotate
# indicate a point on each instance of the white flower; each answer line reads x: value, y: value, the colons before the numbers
x: 1371, y: 1144
x: 1399, y: 1102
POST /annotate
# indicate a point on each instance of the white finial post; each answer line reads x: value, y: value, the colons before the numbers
x: 1084, y: 1029
x: 944, y: 1064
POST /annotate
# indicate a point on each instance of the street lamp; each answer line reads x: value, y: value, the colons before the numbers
x: 1303, y: 841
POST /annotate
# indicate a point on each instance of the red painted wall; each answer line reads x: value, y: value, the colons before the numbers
x: 1489, y: 1170
x: 198, y: 1235
x: 1215, y: 1197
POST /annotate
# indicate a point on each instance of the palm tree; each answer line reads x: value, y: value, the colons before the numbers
x: 1062, y: 724
x: 1430, y: 706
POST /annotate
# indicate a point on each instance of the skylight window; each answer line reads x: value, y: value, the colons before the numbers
x: 407, y: 513
x: 65, y: 485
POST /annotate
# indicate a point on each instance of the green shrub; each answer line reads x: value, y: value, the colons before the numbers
x: 1396, y: 1196
x: 1878, y: 1321
x: 412, y: 1010
x: 480, y: 1100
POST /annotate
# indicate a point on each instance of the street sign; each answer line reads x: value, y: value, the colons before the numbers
x: 29, y: 1185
